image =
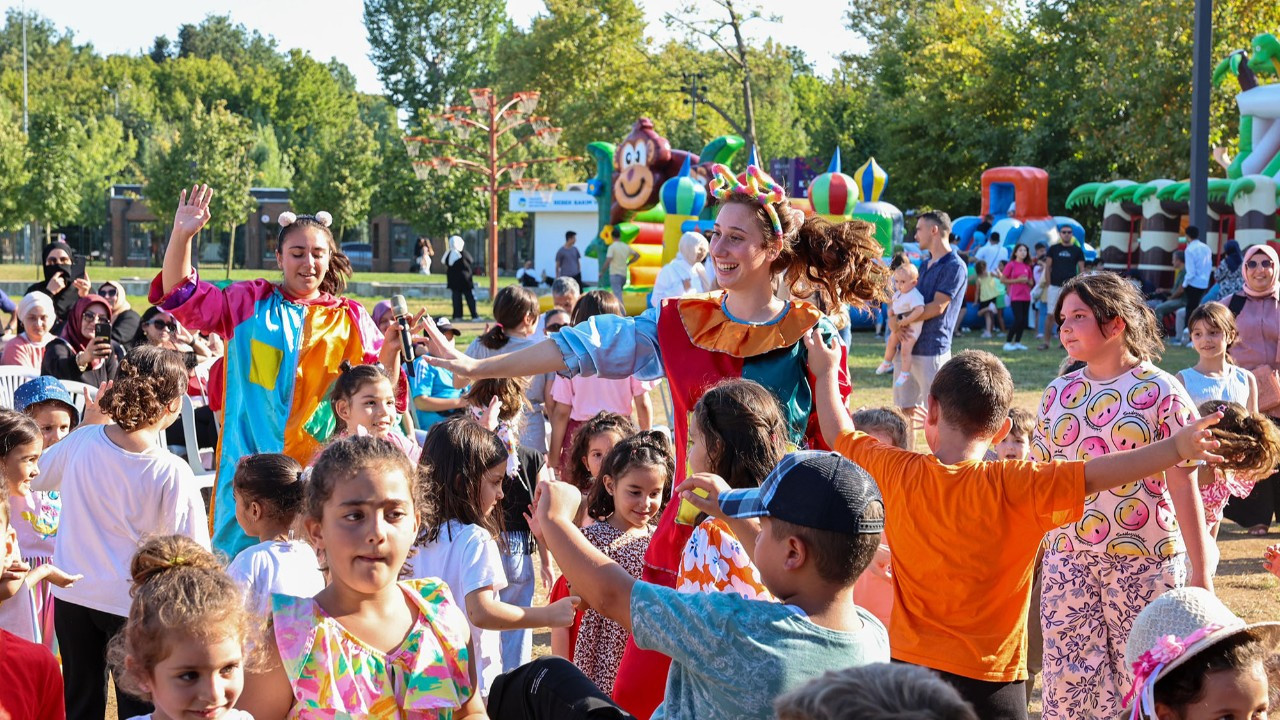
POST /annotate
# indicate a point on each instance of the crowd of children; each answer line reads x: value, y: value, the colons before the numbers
x: 826, y: 568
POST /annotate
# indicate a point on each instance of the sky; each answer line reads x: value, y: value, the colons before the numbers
x: 335, y: 28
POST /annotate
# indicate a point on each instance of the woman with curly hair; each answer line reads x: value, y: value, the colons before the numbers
x: 119, y: 485
x: 746, y: 330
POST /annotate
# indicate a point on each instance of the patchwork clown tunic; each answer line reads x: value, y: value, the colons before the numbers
x: 695, y: 342
x: 282, y: 356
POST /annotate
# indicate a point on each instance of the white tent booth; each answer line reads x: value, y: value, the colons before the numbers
x: 551, y: 215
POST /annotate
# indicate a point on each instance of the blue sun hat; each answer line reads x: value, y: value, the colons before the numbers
x: 44, y: 389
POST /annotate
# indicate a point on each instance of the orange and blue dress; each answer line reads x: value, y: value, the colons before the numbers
x: 282, y: 357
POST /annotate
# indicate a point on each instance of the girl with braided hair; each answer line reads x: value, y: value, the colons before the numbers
x: 745, y: 330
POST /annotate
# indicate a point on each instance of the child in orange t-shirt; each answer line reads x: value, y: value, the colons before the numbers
x: 964, y: 531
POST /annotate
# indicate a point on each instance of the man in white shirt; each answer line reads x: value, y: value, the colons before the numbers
x: 1199, y: 261
x: 993, y: 253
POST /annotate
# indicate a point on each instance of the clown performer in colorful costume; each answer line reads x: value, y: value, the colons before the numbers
x: 759, y: 244
x: 284, y: 343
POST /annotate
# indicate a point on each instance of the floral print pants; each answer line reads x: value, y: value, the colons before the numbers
x: 1088, y: 604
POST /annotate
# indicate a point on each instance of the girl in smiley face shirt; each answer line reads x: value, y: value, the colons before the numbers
x: 1133, y: 542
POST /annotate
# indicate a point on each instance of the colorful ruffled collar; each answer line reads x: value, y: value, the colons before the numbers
x: 711, y: 327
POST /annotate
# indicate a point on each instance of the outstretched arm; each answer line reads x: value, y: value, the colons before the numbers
x: 603, y: 584
x: 1193, y: 442
x: 191, y: 216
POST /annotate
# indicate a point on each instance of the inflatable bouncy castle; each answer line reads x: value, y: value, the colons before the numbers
x: 1017, y: 199
x: 1143, y: 223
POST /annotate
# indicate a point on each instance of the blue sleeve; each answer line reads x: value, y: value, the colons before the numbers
x: 665, y: 620
x: 612, y: 347
x: 6, y: 304
x: 955, y: 280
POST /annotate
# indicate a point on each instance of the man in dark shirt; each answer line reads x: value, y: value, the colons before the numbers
x: 1066, y: 260
x: 568, y: 259
x: 942, y: 283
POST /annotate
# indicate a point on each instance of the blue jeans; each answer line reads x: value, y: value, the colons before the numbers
x: 517, y: 562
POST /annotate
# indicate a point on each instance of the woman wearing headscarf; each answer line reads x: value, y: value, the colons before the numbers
x: 458, y: 264
x: 58, y: 283
x: 125, y: 321
x: 1257, y: 349
x: 35, y: 312
x: 76, y: 354
x: 1230, y: 273
x: 684, y: 275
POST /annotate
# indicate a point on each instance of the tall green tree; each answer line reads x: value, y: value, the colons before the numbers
x: 430, y: 52
x: 13, y: 169
x: 335, y: 172
x: 51, y: 194
x: 212, y: 146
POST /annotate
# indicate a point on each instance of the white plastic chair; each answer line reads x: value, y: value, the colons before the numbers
x: 77, y: 390
x: 204, y: 477
x: 11, y: 376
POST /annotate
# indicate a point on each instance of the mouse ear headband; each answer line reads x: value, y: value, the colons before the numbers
x: 757, y: 186
x: 288, y: 218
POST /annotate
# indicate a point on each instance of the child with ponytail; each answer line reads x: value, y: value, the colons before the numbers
x: 118, y: 485
x: 634, y: 485
x: 184, y: 648
x: 269, y: 490
x: 1250, y: 445
x: 364, y: 401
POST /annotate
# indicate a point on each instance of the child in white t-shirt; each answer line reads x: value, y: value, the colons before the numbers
x: 464, y: 465
x: 907, y: 306
x: 269, y: 491
x: 119, y: 486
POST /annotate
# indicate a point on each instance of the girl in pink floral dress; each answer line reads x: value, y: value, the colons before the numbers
x: 366, y: 645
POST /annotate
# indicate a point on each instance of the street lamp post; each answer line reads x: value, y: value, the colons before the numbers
x: 490, y: 163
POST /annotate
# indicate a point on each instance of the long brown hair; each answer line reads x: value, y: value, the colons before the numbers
x: 455, y: 457
x: 512, y: 306
x: 340, y: 270
x: 1109, y: 296
x: 1249, y: 440
x: 841, y: 261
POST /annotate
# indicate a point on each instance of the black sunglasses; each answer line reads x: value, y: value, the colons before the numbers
x: 107, y: 290
x: 164, y: 325
x: 1252, y: 264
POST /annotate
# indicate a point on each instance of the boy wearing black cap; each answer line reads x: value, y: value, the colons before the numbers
x: 811, y: 527
x: 965, y: 532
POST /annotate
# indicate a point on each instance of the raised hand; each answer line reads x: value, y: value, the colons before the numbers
x: 823, y: 354
x: 441, y: 353
x: 193, y: 211
x: 93, y: 414
x: 702, y: 490
x: 1196, y: 441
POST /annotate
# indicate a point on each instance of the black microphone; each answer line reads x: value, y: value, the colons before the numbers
x: 400, y: 309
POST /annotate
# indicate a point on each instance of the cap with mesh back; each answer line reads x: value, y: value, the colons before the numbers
x: 1174, y: 628
x: 813, y: 489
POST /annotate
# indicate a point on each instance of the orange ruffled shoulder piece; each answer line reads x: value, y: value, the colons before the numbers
x: 710, y: 328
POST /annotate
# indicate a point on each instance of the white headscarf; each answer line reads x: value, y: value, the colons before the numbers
x: 691, y: 245
x: 31, y: 301
x: 455, y: 250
